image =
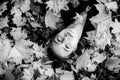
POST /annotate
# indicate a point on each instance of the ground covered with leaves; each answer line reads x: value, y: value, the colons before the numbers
x: 27, y: 26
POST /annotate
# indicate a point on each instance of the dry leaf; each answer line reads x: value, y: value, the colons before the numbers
x: 51, y: 20
x: 3, y: 7
x: 67, y: 76
x: 3, y: 22
x: 15, y: 55
x: 57, y: 6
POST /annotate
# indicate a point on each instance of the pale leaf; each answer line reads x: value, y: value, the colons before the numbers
x: 82, y: 61
x: 51, y: 20
x: 3, y: 22
x: 102, y: 15
x: 112, y: 5
x: 116, y: 26
x: 49, y: 72
x: 113, y: 64
x: 91, y: 67
x: 91, y: 35
x: 85, y: 78
x: 39, y: 1
x: 3, y: 7
x: 23, y: 46
x: 102, y: 1
x: 103, y: 38
x: 15, y: 55
x: 18, y: 34
x: 18, y: 20
x: 99, y: 58
x: 67, y: 76
x: 25, y: 6
x: 116, y: 50
x: 38, y: 50
x: 117, y: 37
x: 57, y: 6
x: 5, y: 48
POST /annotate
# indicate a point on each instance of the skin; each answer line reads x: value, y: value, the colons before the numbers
x: 65, y: 42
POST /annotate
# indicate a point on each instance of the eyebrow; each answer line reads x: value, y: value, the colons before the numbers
x: 69, y: 34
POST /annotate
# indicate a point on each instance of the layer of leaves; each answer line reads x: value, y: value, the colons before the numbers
x: 26, y: 27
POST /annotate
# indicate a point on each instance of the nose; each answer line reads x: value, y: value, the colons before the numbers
x: 65, y: 39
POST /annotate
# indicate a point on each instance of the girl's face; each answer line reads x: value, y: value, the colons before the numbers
x: 65, y: 42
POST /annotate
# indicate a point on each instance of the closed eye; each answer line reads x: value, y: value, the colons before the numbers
x: 58, y: 40
x: 67, y: 47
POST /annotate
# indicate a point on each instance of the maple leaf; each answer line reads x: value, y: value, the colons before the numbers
x: 25, y: 6
x: 5, y: 48
x: 103, y: 21
x: 112, y: 5
x: 113, y: 64
x: 35, y: 24
x: 102, y: 1
x: 117, y: 37
x: 82, y: 61
x: 85, y: 78
x: 116, y: 26
x: 57, y: 6
x: 23, y: 46
x: 37, y: 65
x: 75, y: 3
x: 18, y: 20
x: 18, y: 34
x: 91, y: 67
x: 103, y: 38
x: 39, y: 1
x: 102, y: 15
x: 79, y: 17
x: 27, y: 74
x: 67, y: 76
x: 49, y: 72
x: 51, y: 20
x: 42, y: 77
x: 3, y: 22
x: 3, y: 7
x: 91, y: 35
x: 38, y: 50
x: 15, y: 55
x: 115, y: 50
x: 99, y: 58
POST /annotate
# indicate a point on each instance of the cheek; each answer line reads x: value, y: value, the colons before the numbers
x: 74, y: 41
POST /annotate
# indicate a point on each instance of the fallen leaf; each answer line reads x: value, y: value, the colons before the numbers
x: 82, y: 61
x: 112, y: 5
x: 15, y: 55
x: 5, y: 48
x: 51, y: 20
x: 67, y: 76
x: 49, y: 72
x: 57, y: 6
x: 3, y: 7
x: 3, y: 22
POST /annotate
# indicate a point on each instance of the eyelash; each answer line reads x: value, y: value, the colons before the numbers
x: 66, y: 46
x: 58, y: 40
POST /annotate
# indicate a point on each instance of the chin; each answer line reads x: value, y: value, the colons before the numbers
x: 53, y: 56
